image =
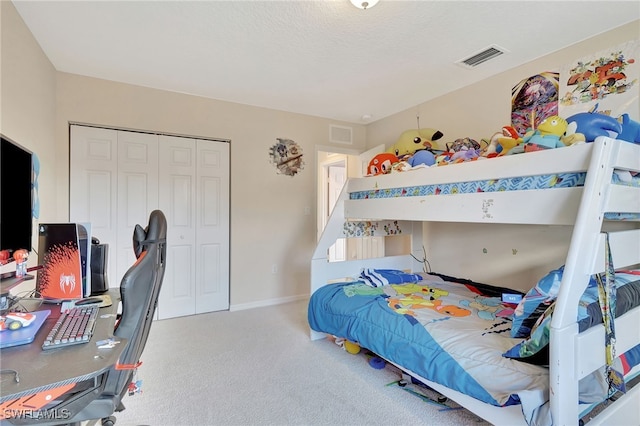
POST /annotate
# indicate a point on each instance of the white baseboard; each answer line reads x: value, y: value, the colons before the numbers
x: 268, y: 302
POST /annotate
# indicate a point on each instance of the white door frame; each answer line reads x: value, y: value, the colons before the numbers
x: 321, y: 184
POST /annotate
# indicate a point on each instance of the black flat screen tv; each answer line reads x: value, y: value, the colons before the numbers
x: 16, y: 196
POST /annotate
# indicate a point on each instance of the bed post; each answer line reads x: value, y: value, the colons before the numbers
x: 563, y: 374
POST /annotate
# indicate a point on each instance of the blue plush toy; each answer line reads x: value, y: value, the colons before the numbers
x: 593, y: 124
x: 630, y: 129
x: 422, y: 157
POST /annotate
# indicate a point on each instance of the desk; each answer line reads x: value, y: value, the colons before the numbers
x: 43, y: 370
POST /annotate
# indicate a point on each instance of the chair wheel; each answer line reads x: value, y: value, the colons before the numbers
x: 109, y: 421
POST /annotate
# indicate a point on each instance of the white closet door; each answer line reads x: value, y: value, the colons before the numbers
x: 137, y: 193
x: 212, y: 216
x: 118, y: 177
x: 177, y: 179
x: 93, y: 186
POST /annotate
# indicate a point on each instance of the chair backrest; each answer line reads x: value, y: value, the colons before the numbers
x: 139, y: 290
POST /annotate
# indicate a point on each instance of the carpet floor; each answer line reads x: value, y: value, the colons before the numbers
x: 259, y: 367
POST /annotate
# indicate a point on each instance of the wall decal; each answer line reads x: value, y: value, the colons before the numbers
x: 286, y: 155
x: 534, y: 99
x: 604, y: 82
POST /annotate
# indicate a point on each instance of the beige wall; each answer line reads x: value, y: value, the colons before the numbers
x: 268, y: 221
x: 268, y: 224
x: 481, y: 109
x: 28, y: 100
x: 509, y: 255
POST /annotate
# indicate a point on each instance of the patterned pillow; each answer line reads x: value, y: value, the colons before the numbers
x: 534, y: 348
x: 535, y: 302
x: 530, y: 350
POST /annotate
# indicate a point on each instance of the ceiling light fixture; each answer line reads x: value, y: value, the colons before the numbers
x: 364, y: 4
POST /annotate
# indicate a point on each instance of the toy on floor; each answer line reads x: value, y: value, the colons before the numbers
x: 351, y: 347
x: 377, y: 362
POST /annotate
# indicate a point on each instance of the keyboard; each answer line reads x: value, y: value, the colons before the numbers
x: 74, y: 326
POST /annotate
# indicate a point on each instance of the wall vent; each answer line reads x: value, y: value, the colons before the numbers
x: 484, y: 55
x: 340, y: 134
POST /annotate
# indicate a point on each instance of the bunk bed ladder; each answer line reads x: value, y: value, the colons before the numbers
x: 586, y: 257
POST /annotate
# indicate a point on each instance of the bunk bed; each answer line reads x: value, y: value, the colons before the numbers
x: 582, y: 186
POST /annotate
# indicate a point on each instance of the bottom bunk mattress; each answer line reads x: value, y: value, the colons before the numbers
x: 451, y: 333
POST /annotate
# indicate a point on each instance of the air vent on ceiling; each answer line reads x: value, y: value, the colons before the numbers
x: 476, y: 59
x: 340, y: 134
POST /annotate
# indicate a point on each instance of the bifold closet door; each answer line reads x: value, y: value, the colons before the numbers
x: 213, y: 223
x: 113, y: 185
x: 118, y: 177
x: 93, y: 185
x: 194, y: 177
x: 137, y: 192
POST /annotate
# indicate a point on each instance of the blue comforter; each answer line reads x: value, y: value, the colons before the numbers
x: 445, y: 332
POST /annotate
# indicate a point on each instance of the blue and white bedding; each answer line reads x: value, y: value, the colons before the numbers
x: 451, y: 333
x: 445, y: 332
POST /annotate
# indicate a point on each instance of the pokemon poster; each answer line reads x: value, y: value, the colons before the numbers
x: 605, y: 82
x: 532, y: 100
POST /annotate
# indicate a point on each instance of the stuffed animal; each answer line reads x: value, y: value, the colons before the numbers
x: 547, y: 135
x: 381, y: 164
x: 462, y: 144
x: 465, y: 155
x: 571, y: 135
x: 422, y: 157
x: 414, y: 140
x: 630, y: 129
x: 503, y: 141
x: 594, y: 124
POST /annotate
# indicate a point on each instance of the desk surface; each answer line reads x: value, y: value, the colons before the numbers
x: 41, y: 370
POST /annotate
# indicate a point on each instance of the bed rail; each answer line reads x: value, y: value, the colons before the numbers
x: 585, y: 257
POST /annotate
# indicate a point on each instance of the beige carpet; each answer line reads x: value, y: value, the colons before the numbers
x: 259, y: 367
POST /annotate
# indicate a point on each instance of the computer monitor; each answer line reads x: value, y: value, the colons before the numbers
x: 16, y: 197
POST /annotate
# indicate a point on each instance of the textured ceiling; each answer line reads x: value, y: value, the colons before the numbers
x: 321, y: 58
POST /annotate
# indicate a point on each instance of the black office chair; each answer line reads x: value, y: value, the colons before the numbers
x: 139, y: 290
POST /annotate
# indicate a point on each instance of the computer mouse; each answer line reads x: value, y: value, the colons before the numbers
x: 89, y: 301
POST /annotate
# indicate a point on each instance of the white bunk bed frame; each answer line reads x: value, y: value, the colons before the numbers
x: 582, y: 207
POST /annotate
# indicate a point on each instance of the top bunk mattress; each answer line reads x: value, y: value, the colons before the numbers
x: 528, y: 175
x: 524, y: 183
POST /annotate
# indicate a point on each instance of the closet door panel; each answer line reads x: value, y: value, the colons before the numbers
x: 177, y: 199
x: 118, y: 177
x: 212, y: 239
x: 93, y: 185
x: 137, y: 192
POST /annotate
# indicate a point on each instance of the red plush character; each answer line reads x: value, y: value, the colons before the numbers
x: 381, y: 164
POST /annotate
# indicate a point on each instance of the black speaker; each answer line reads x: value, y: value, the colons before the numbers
x: 99, y: 258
